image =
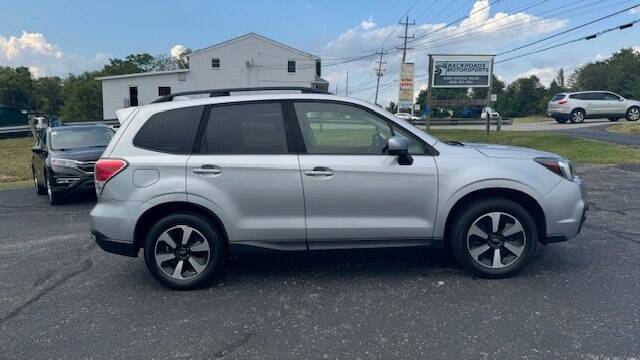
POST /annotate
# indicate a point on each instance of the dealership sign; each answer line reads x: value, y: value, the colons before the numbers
x: 405, y: 97
x: 461, y: 71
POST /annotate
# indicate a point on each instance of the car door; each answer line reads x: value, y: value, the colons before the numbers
x: 596, y: 105
x: 39, y: 155
x: 246, y: 170
x: 355, y: 193
x: 614, y: 104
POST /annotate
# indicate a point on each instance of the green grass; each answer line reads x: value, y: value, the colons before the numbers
x: 575, y: 149
x: 632, y: 128
x: 15, y: 160
x: 530, y: 119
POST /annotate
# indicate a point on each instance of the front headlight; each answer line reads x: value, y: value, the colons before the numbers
x: 63, y: 163
x: 561, y: 167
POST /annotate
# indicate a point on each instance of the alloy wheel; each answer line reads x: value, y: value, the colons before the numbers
x: 634, y: 114
x: 578, y: 117
x: 496, y: 240
x: 182, y: 252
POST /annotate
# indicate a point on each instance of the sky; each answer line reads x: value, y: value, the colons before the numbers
x: 61, y: 37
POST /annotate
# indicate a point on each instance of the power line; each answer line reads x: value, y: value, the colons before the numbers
x: 569, y: 30
x: 588, y: 37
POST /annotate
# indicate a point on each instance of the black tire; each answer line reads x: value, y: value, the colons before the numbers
x: 475, y: 214
x: 561, y: 120
x: 633, y: 113
x: 577, y: 116
x: 215, y: 257
x: 40, y: 190
x: 614, y: 119
x: 55, y: 198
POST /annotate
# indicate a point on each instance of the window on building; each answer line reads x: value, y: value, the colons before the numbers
x: 181, y: 123
x: 133, y: 96
x: 164, y: 90
x: 215, y: 63
x: 252, y: 128
x: 291, y: 66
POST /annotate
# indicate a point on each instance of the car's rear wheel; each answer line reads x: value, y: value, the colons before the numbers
x: 633, y: 114
x: 55, y: 198
x: 577, y: 116
x: 614, y: 119
x: 561, y: 120
x: 494, y: 238
x: 40, y: 190
x: 183, y: 251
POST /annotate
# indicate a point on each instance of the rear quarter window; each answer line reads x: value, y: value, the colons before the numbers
x: 558, y: 97
x: 172, y: 131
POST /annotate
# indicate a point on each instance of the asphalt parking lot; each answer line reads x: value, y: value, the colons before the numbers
x: 62, y: 297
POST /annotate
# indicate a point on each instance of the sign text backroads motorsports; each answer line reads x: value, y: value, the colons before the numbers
x: 461, y: 71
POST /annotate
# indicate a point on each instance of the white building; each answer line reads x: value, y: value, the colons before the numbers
x: 250, y: 60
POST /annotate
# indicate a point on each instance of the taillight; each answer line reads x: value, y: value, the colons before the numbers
x: 562, y: 102
x: 105, y: 170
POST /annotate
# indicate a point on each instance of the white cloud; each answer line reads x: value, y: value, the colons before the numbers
x: 43, y: 58
x: 367, y: 24
x: 545, y: 74
x: 479, y: 33
x: 177, y: 50
x: 634, y: 11
x: 636, y: 49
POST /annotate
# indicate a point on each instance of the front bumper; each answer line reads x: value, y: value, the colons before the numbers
x: 114, y: 246
x: 566, y: 208
x: 71, y: 181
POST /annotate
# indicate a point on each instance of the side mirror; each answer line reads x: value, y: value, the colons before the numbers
x: 399, y: 146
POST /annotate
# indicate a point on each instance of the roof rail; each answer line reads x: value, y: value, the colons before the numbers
x: 227, y: 92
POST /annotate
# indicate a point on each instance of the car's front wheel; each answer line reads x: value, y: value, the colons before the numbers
x: 633, y: 114
x: 494, y: 238
x: 55, y: 198
x: 577, y: 116
x: 183, y: 251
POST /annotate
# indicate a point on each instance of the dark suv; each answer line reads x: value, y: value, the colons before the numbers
x: 64, y: 157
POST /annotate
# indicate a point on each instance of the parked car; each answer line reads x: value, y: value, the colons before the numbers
x: 408, y: 117
x: 492, y: 113
x: 578, y: 106
x: 64, y: 157
x: 190, y: 181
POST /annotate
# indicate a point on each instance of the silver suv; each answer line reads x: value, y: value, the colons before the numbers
x: 592, y: 104
x: 190, y: 181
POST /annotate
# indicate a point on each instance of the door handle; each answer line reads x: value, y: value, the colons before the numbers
x: 319, y: 171
x: 208, y: 170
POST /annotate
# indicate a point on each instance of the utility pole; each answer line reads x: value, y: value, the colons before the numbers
x: 336, y: 89
x: 346, y: 91
x: 379, y: 73
x: 405, y: 37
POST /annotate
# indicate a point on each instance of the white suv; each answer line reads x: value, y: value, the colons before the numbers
x: 578, y: 106
x: 188, y: 181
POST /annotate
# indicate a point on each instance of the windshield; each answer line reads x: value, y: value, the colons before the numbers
x: 85, y: 137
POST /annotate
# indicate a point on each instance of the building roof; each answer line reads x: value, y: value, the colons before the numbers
x: 252, y: 35
x: 123, y: 76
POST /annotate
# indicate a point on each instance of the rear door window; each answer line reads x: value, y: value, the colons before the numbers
x: 247, y: 128
x: 172, y: 131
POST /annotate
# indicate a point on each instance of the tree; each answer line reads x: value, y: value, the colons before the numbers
x: 183, y: 59
x: 16, y: 88
x: 82, y: 98
x: 523, y: 97
x: 620, y: 73
x: 49, y: 95
x: 392, y: 107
